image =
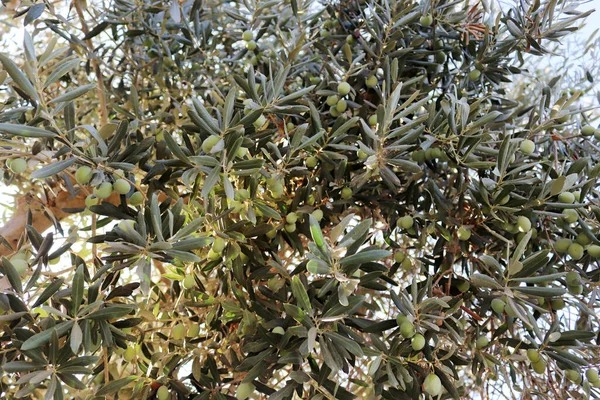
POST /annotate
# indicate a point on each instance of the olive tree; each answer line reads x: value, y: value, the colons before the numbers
x: 294, y: 199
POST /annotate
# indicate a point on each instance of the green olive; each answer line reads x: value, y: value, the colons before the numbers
x: 136, y: 199
x: 343, y: 88
x: 189, y: 282
x: 248, y: 35
x: 209, y: 143
x: 406, y: 222
x: 18, y: 165
x: 121, y: 186
x: 463, y: 233
x: 346, y: 193
x: 83, y: 175
x: 417, y: 342
x: 163, y: 393
x: 104, y: 190
x: 178, y: 332
x: 432, y: 385
x: 426, y: 20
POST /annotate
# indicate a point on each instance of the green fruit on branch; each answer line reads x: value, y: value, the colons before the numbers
x: 432, y: 385
x: 18, y: 165
x: 311, y: 162
x: 463, y: 233
x: 83, y: 175
x: 178, y: 332
x: 278, y: 330
x: 587, y: 130
x: 498, y: 305
x: 218, y: 245
x: 91, y: 200
x: 244, y: 390
x: 189, y: 282
x: 251, y: 45
x: 371, y: 81
x: 527, y: 146
x: 592, y: 375
x: 129, y: 354
x: 372, y: 120
x: 570, y: 215
x: 418, y: 342
x: 121, y: 186
x: 290, y: 228
x: 594, y: 250
x: 539, y: 366
x: 318, y: 214
x: 426, y: 20
x: 103, y: 191
x: 407, y: 329
x: 341, y: 106
x: 574, y: 376
x: 248, y: 35
x: 575, y: 251
x: 481, y: 342
x: 562, y: 245
x: 523, y: 224
x: 533, y: 355
x: 209, y: 143
x: 573, y: 278
x: 332, y: 100
x: 474, y: 75
x: 406, y: 222
x: 163, y: 393
x: 136, y: 199
x: 346, y: 193
x: 343, y: 88
x: 566, y: 197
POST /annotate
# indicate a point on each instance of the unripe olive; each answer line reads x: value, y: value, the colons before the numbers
x: 570, y: 215
x: 463, y: 233
x: 401, y: 318
x: 103, y: 191
x: 371, y: 81
x: 121, y: 186
x: 129, y: 354
x: 291, y: 218
x: 362, y: 155
x: 527, y: 146
x: 557, y: 304
x: 278, y: 330
x: 20, y: 266
x: 426, y: 20
x: 241, y: 152
x: 212, y: 256
x: 163, y: 393
x: 418, y: 342
x: 346, y: 193
x: 341, y: 106
x: 248, y: 35
x: 332, y: 100
x: 318, y: 214
x: 271, y: 234
x: 251, y: 45
x: 574, y: 376
x: 587, y: 130
x: 136, y: 199
x: 562, y: 245
x: 218, y: 245
x: 290, y: 228
x: 575, y: 290
x: 463, y: 286
x: 573, y: 278
x: 311, y: 161
x: 566, y: 197
x: 324, y: 33
x: 350, y: 39
x: 178, y: 332
x: 407, y: 329
x: 575, y: 251
x: 481, y: 342
x: 418, y: 156
x: 193, y: 330
x: 259, y: 122
x: 343, y: 88
x: 440, y: 57
x: 399, y: 256
x: 372, y: 120
x: 592, y: 375
x: 583, y: 239
x: 334, y: 112
x: 209, y: 143
x: 91, y: 200
x: 474, y: 75
x: 83, y: 175
x: 244, y: 390
x: 524, y: 224
x: 498, y: 305
x: 432, y: 385
x: 407, y: 264
x: 594, y: 250
x: 539, y: 367
x: 189, y: 282
x: 533, y: 355
x: 18, y: 165
x: 597, y: 134
x: 406, y: 222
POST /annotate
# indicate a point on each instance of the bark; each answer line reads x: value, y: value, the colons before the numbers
x: 42, y: 209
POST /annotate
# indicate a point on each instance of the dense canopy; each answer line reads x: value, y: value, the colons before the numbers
x: 297, y: 200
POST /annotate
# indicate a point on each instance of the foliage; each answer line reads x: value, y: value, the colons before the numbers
x: 297, y: 200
